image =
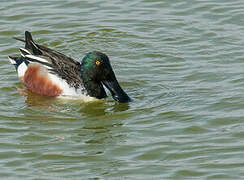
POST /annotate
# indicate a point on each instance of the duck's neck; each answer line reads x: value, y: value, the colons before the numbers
x: 93, y: 88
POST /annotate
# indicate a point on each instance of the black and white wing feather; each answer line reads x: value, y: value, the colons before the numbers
x: 56, y: 62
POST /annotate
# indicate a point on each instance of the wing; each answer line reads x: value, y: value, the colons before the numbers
x: 57, y: 63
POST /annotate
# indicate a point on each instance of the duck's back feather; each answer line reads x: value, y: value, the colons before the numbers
x: 57, y: 63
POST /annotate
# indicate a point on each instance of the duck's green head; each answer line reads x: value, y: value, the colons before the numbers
x: 96, y: 72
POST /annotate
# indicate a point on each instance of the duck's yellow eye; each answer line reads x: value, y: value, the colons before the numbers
x: 98, y: 63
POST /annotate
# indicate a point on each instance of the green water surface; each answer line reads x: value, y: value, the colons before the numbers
x: 182, y: 62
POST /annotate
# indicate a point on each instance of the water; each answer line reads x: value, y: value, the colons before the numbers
x: 181, y: 62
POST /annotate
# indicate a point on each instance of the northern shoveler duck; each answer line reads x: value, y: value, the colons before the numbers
x: 51, y: 73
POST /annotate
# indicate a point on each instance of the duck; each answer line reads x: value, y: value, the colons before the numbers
x: 50, y: 73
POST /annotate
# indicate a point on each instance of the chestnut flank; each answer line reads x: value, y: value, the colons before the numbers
x: 36, y: 80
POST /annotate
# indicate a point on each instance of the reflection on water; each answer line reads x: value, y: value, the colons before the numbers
x: 32, y: 99
x: 102, y: 108
x: 52, y: 104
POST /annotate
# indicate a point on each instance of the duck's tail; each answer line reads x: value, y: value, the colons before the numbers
x: 20, y: 64
x: 28, y: 54
x: 31, y: 51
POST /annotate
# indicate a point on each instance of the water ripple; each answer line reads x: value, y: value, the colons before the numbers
x: 180, y: 61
